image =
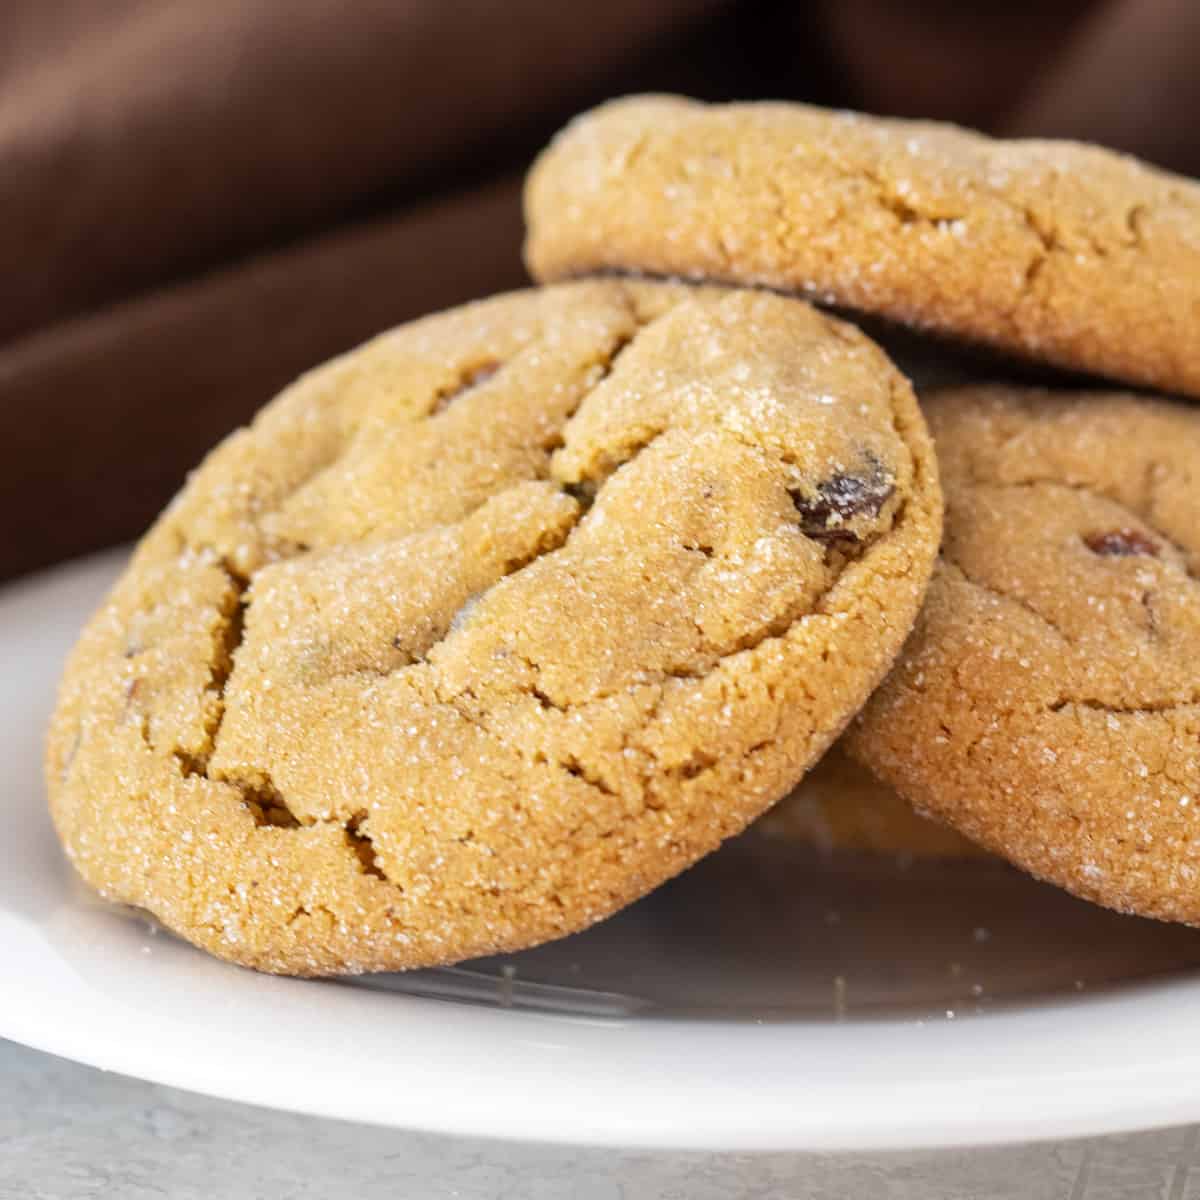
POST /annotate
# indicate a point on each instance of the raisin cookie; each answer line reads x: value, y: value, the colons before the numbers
x: 1047, y: 704
x: 840, y: 805
x: 482, y: 631
x: 1058, y: 252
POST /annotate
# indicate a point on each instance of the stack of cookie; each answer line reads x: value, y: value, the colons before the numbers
x: 488, y: 628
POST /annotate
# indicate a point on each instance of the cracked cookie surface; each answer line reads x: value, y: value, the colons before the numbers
x: 1048, y: 702
x: 485, y: 629
x: 839, y: 805
x: 1055, y: 251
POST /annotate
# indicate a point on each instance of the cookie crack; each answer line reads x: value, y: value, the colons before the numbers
x: 892, y: 200
x: 270, y: 807
x: 311, y: 910
x: 699, y: 763
x: 264, y: 801
x: 363, y: 847
x: 1134, y: 220
x: 267, y: 806
x: 1150, y: 708
x: 230, y: 636
x: 606, y: 364
x: 711, y: 656
x: 1098, y: 492
x: 583, y: 493
x: 1047, y: 246
x: 467, y: 380
x: 1048, y: 243
x: 1017, y: 601
x: 1061, y: 703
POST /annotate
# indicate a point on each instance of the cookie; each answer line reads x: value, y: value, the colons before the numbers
x: 1047, y: 704
x: 484, y: 630
x: 1062, y: 253
x: 839, y: 805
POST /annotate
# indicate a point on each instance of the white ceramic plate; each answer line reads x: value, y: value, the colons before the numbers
x: 769, y: 998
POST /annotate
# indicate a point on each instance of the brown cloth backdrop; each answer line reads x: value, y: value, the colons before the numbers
x: 201, y: 198
x: 198, y: 200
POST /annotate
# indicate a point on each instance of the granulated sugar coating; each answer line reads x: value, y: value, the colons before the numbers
x: 1048, y: 702
x: 1062, y: 253
x: 484, y: 630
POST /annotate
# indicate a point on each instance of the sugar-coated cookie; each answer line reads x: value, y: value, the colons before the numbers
x: 1047, y: 704
x: 482, y: 631
x: 1062, y: 253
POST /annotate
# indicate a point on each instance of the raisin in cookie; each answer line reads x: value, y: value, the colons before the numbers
x: 1062, y: 253
x: 1048, y: 702
x: 484, y: 630
x: 840, y: 805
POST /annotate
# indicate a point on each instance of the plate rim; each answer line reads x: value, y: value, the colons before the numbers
x: 638, y: 1083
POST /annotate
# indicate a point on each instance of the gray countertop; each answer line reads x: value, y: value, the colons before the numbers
x: 70, y: 1132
